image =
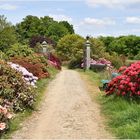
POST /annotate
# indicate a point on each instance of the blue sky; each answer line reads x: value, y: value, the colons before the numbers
x: 89, y: 17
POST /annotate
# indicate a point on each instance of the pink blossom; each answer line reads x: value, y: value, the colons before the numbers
x: 2, y: 126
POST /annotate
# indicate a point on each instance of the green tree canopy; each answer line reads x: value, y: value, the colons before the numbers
x: 44, y: 26
x: 70, y: 47
x: 68, y: 26
x: 126, y: 45
x: 7, y: 34
x: 56, y: 31
x: 97, y: 47
x: 3, y: 22
x: 28, y: 27
x: 107, y: 40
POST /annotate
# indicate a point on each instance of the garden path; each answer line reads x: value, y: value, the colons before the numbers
x: 67, y: 112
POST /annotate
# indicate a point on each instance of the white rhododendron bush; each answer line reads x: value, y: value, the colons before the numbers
x: 27, y: 76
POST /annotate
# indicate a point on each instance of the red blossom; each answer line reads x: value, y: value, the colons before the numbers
x: 128, y: 83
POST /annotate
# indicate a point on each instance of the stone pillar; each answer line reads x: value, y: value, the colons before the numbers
x: 87, y: 57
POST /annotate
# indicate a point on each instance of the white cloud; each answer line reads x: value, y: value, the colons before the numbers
x: 135, y: 30
x: 98, y: 22
x: 133, y: 20
x: 112, y: 3
x: 61, y: 17
x: 60, y: 10
x: 8, y: 7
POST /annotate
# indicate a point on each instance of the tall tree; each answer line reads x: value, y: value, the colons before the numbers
x: 7, y: 34
x: 70, y: 47
x: 56, y: 31
x: 3, y: 22
x: 97, y: 47
x: 44, y: 26
x: 107, y: 40
x: 46, y: 21
x: 28, y: 27
x: 68, y: 26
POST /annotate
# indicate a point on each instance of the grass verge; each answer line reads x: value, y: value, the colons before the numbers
x: 122, y: 116
x: 16, y: 123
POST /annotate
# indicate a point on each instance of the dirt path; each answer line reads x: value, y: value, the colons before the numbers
x: 66, y: 113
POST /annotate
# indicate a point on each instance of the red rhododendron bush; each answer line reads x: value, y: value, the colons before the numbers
x: 35, y: 64
x: 54, y: 61
x: 128, y: 83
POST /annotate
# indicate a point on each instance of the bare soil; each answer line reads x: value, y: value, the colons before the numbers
x: 67, y: 112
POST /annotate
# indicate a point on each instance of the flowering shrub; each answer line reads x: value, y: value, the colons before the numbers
x: 34, y: 64
x: 100, y: 61
x: 128, y: 83
x: 27, y: 76
x: 54, y: 61
x: 5, y: 116
x: 14, y: 92
x: 121, y: 69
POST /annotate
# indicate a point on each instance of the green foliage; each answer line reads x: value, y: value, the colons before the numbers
x: 133, y: 44
x: 70, y: 47
x: 7, y: 38
x: 3, y: 56
x: 46, y: 22
x: 127, y: 45
x: 7, y: 34
x: 14, y: 90
x: 44, y: 26
x: 75, y: 63
x: 118, y: 46
x: 19, y: 50
x: 56, y: 31
x: 3, y: 22
x: 137, y: 57
x: 107, y: 40
x: 27, y: 28
x: 116, y: 60
x: 97, y: 47
x: 68, y: 26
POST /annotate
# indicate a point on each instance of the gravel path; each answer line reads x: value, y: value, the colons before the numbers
x: 67, y: 112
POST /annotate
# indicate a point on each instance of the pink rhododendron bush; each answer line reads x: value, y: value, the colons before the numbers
x: 100, y: 61
x: 5, y: 116
x: 16, y: 92
x: 128, y: 83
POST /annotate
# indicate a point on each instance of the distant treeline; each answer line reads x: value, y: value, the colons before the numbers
x: 32, y: 26
x: 126, y: 45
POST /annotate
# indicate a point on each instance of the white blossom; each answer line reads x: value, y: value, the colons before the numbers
x: 26, y: 75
